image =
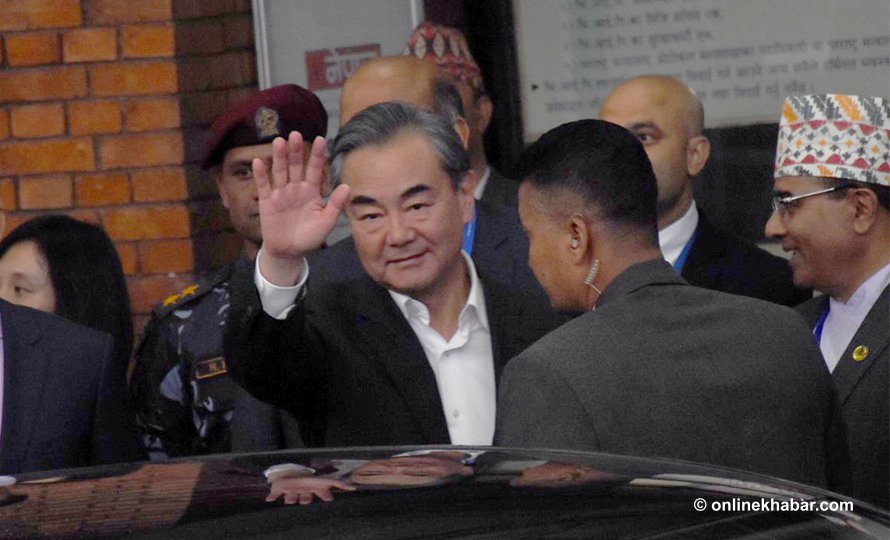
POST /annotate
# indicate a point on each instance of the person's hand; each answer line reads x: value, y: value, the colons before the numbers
x: 294, y: 218
x: 304, y: 489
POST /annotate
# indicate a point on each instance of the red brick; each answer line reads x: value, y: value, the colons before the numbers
x: 199, y: 38
x: 147, y: 222
x: 68, y: 155
x: 7, y: 195
x: 147, y: 291
x: 89, y: 45
x: 45, y: 192
x: 238, y: 33
x: 133, y: 79
x: 148, y: 41
x: 87, y: 216
x: 126, y: 251
x: 152, y: 114
x: 129, y: 11
x: 161, y: 256
x: 14, y: 219
x: 32, y: 49
x: 42, y: 84
x: 92, y: 117
x: 155, y: 185
x: 31, y: 14
x: 141, y: 150
x: 102, y: 189
x: 33, y: 121
x: 4, y: 125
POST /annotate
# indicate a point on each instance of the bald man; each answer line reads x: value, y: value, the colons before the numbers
x: 668, y: 118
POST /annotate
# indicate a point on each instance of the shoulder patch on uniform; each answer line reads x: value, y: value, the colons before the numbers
x: 211, y: 367
x: 197, y: 289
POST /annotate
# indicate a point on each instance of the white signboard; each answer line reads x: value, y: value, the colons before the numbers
x: 741, y: 56
x: 318, y: 44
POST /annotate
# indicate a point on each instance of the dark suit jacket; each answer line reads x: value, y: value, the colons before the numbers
x: 661, y: 368
x: 63, y: 395
x: 500, y: 191
x: 722, y: 262
x: 347, y: 364
x: 864, y: 394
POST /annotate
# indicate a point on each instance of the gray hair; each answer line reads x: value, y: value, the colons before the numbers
x: 381, y: 123
x: 447, y: 100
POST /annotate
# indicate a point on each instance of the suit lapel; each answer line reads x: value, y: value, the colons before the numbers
x: 491, y: 237
x: 386, y: 335
x: 871, y: 334
x: 504, y: 317
x: 25, y: 365
x: 698, y: 268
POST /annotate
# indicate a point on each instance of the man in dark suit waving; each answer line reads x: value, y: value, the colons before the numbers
x: 409, y: 352
x: 653, y: 366
x: 63, y: 395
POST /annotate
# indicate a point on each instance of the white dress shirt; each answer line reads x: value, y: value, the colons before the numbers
x: 480, y: 187
x: 463, y: 365
x: 675, y: 236
x: 845, y: 318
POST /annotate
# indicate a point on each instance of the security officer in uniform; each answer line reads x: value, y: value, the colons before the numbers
x: 186, y: 402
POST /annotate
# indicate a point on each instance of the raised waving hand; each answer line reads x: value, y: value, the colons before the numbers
x: 293, y: 216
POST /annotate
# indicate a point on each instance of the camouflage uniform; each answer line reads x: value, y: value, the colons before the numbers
x: 182, y: 393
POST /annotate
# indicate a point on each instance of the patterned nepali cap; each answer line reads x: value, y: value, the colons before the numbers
x: 261, y: 117
x: 447, y: 47
x: 835, y: 136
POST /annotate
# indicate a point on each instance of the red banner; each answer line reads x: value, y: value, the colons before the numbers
x: 329, y: 68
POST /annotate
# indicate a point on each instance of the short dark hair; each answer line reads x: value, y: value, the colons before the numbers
x: 604, y: 164
x: 85, y: 272
x: 381, y: 123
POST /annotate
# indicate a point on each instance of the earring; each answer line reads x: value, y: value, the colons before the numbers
x: 575, y: 243
x: 591, y: 275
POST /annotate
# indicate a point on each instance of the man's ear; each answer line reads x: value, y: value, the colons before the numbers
x: 463, y: 131
x: 223, y: 194
x: 698, y: 149
x: 580, y: 240
x: 484, y: 110
x: 466, y: 191
x: 865, y: 209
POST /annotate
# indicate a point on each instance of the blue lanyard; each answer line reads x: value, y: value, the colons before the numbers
x: 681, y: 260
x: 470, y: 233
x: 817, y: 331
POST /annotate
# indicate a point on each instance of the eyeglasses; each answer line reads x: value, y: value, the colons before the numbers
x: 782, y: 204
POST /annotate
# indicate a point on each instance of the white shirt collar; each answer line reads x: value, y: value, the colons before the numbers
x: 475, y: 301
x: 480, y: 187
x: 862, y: 300
x: 675, y: 236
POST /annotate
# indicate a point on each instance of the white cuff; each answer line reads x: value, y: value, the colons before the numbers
x: 278, y: 301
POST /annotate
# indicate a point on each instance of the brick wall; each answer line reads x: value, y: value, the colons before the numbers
x: 103, y: 107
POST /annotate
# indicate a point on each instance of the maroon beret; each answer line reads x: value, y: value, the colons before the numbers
x: 261, y: 117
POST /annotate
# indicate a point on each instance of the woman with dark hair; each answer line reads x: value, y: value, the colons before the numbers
x: 71, y: 268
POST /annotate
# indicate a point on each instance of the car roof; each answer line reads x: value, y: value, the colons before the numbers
x: 478, y: 493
